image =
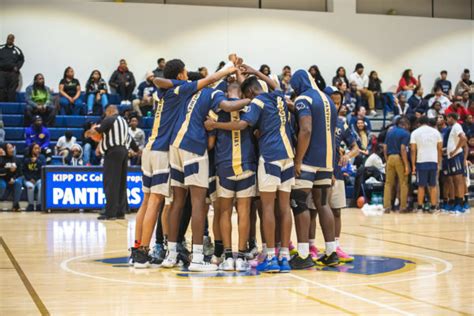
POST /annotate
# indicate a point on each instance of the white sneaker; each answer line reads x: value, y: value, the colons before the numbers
x: 373, y: 113
x: 217, y: 260
x: 170, y: 261
x: 208, y: 246
x: 227, y: 265
x: 202, y: 266
x: 138, y: 265
x: 242, y: 265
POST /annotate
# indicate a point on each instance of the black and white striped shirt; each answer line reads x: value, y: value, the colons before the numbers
x: 115, y: 132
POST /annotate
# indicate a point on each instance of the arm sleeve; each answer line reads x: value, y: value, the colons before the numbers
x: 46, y: 138
x: 141, y: 87
x: 106, y: 124
x: 113, y: 79
x: 21, y: 59
x: 132, y: 80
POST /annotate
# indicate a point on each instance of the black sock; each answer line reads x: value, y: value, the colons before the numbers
x: 445, y: 201
x: 458, y: 201
x: 228, y: 253
x: 218, y: 248
x: 420, y: 206
x: 241, y: 254
x: 252, y: 243
x: 466, y: 198
x: 433, y: 207
x: 451, y: 202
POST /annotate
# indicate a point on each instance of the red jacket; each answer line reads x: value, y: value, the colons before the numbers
x: 461, y: 111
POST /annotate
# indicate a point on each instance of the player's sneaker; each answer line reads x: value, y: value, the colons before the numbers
x: 293, y: 250
x: 284, y: 265
x: 208, y: 246
x: 170, y: 261
x: 343, y: 256
x: 298, y: 263
x: 330, y: 261
x: 448, y: 208
x: 459, y: 209
x: 313, y: 252
x: 242, y: 265
x: 269, y: 265
x: 141, y: 260
x: 131, y: 259
x: 254, y: 251
x: 227, y: 265
x: 217, y: 260
x: 466, y: 206
x: 202, y: 266
x: 158, y: 252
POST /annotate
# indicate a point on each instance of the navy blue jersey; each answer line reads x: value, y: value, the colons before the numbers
x: 189, y: 133
x: 269, y: 113
x: 166, y: 114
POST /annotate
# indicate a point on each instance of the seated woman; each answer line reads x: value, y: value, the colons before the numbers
x: 11, y: 180
x: 89, y: 147
x: 32, y: 164
x: 39, y: 102
x: 70, y: 94
x: 363, y: 139
x: 96, y: 92
x: 360, y: 113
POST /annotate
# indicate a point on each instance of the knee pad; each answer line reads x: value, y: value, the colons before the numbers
x: 298, y: 201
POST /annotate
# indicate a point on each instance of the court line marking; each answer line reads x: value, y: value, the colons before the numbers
x: 416, y: 234
x: 351, y: 295
x: 29, y: 287
x: 417, y: 300
x: 312, y: 298
x: 410, y: 245
x: 64, y: 266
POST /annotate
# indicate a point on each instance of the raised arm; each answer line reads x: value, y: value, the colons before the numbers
x: 224, y: 72
x: 251, y: 71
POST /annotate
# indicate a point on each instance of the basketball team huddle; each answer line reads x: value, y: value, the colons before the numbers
x: 234, y: 139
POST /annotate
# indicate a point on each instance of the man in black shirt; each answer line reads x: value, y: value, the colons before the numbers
x: 444, y: 84
x: 11, y: 60
x: 158, y: 72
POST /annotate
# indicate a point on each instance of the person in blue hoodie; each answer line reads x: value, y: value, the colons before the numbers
x: 39, y: 134
x: 314, y: 164
x: 32, y: 164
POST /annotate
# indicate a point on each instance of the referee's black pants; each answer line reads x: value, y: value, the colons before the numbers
x: 115, y: 181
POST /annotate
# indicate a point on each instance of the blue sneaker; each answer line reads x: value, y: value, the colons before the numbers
x: 284, y: 266
x: 269, y: 266
x: 447, y: 208
x: 458, y: 209
x: 466, y: 206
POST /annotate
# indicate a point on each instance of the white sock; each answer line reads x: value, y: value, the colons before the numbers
x: 264, y: 249
x: 284, y: 253
x: 312, y: 242
x: 330, y: 247
x: 270, y: 253
x: 172, y: 246
x: 198, y: 253
x: 337, y: 242
x: 303, y: 249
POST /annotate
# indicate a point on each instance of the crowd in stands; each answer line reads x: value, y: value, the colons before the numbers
x: 361, y: 95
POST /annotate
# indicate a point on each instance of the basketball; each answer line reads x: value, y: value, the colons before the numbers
x: 96, y: 137
x: 360, y: 202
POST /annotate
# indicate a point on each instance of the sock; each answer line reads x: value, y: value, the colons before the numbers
x: 264, y: 249
x: 137, y: 244
x: 241, y: 254
x: 172, y: 253
x: 445, y: 201
x: 303, y: 249
x: 165, y: 242
x: 337, y: 242
x: 433, y: 207
x: 218, y: 248
x: 419, y: 207
x: 252, y: 243
x: 198, y: 253
x: 330, y: 247
x: 270, y: 253
x: 284, y: 253
x: 458, y: 201
x: 466, y: 198
x: 228, y: 253
x: 451, y: 202
x: 312, y: 242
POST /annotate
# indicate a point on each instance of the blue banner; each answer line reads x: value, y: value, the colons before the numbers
x: 82, y: 187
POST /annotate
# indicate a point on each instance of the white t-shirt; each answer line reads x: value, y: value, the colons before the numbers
x: 453, y: 140
x: 64, y: 144
x: 361, y: 81
x: 375, y: 161
x: 426, y: 139
x: 445, y: 103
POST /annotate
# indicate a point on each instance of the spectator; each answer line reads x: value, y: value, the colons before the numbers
x: 138, y: 136
x: 470, y: 149
x: 444, y: 84
x: 11, y: 179
x: 284, y: 73
x: 74, y: 158
x: 375, y: 85
x: 360, y: 113
x: 340, y: 76
x: 11, y: 61
x: 285, y: 84
x: 32, y: 164
x: 203, y: 72
x: 441, y: 98
x: 123, y: 82
x: 417, y: 102
x: 402, y: 107
x: 221, y: 65
x: 434, y: 111
x: 351, y: 97
x: 375, y: 161
x: 39, y: 134
x: 89, y: 154
x: 96, y: 91
x: 408, y: 83
x: 468, y: 126
x: 39, y: 102
x: 363, y: 140
x: 395, y: 152
x: 264, y: 69
x: 362, y: 81
x: 426, y: 147
x: 464, y: 84
x: 70, y: 94
x: 456, y: 107
x: 465, y: 100
x: 342, y: 113
x: 64, y: 144
x: 144, y: 103
x: 2, y: 133
x: 470, y: 109
x: 318, y: 78
x: 158, y: 72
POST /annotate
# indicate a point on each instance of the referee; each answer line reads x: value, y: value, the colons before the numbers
x: 114, y: 146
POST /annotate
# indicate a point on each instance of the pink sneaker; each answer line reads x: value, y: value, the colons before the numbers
x: 254, y: 263
x: 293, y: 250
x: 313, y: 252
x: 343, y: 257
